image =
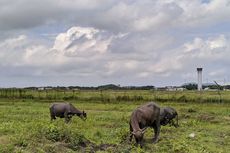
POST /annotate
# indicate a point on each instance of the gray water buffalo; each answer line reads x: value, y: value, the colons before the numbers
x: 147, y: 115
x: 167, y: 114
x: 65, y: 110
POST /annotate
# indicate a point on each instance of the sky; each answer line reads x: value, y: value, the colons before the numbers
x: 125, y: 42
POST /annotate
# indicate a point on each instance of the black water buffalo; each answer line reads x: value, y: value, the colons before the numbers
x: 167, y: 114
x: 65, y: 110
x: 147, y: 115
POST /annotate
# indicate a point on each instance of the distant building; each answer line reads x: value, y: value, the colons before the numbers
x: 209, y: 89
x: 174, y: 88
x: 41, y: 88
x: 44, y: 88
x: 170, y: 88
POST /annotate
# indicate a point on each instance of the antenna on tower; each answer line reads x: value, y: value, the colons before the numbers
x: 219, y: 88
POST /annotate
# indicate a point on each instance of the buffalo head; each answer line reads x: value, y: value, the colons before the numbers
x: 167, y: 116
x: 138, y: 135
x: 83, y: 116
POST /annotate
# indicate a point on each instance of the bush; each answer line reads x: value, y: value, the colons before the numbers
x: 52, y: 133
x: 73, y: 140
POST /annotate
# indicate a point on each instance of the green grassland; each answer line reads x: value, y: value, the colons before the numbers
x: 25, y: 124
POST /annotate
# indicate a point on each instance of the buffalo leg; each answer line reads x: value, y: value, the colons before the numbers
x: 131, y: 134
x: 156, y: 132
x: 142, y: 142
x: 137, y: 141
x: 53, y: 118
x: 52, y: 115
x: 67, y: 119
x: 174, y: 124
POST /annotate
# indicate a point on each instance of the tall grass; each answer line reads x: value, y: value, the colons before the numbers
x: 118, y: 95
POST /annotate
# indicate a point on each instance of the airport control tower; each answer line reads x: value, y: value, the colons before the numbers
x: 199, y: 83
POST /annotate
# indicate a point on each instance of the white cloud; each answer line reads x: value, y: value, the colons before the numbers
x: 121, y: 67
x: 73, y: 50
x: 78, y: 41
x: 126, y: 41
x: 165, y: 16
x: 198, y: 14
x: 12, y: 50
x: 219, y: 42
x: 89, y: 52
x: 119, y: 15
x: 218, y: 73
x: 213, y: 48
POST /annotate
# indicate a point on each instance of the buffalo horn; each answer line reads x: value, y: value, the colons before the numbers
x: 143, y: 130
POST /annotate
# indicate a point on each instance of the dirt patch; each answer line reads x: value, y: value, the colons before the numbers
x: 104, y: 147
x: 4, y: 140
x: 86, y: 146
x: 89, y: 146
x: 185, y: 116
x: 206, y: 118
x: 109, y: 126
x: 92, y: 147
x: 227, y: 118
x: 191, y: 110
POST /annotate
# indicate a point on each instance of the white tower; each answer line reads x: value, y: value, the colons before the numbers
x: 199, y: 74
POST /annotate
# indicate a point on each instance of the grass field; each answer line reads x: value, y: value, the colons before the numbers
x: 25, y: 127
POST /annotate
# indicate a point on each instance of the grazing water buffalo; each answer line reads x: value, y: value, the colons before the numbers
x: 167, y: 114
x: 65, y: 110
x: 147, y: 115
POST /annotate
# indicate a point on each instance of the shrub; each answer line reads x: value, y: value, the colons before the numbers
x: 53, y: 133
x: 73, y: 140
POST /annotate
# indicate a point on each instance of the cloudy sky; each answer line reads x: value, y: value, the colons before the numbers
x: 126, y: 42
